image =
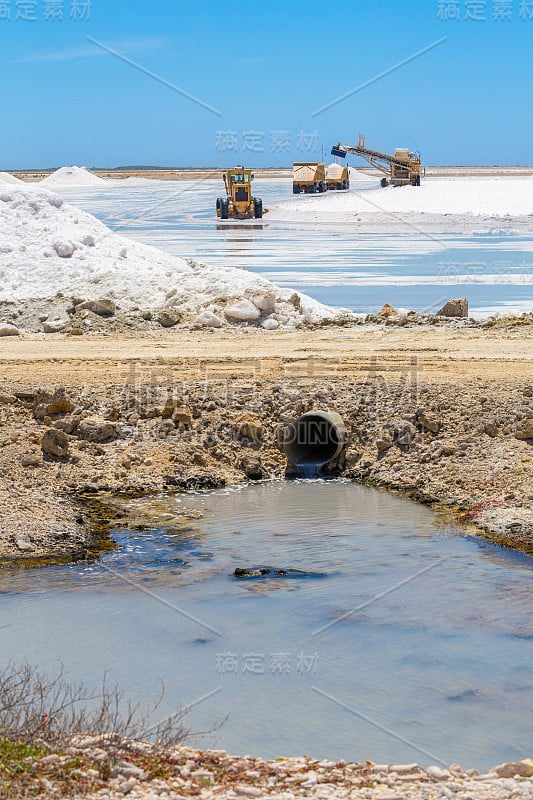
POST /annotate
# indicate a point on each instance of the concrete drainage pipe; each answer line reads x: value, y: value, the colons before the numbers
x: 314, y: 442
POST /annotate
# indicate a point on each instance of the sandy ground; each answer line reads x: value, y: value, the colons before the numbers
x: 442, y: 414
x: 436, y: 354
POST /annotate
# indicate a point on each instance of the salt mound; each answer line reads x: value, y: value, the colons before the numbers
x: 47, y: 246
x: 334, y: 170
x: 72, y: 176
x: 473, y: 197
x: 6, y: 177
x: 356, y: 175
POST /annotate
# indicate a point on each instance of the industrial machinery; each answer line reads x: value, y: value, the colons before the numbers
x: 338, y: 177
x: 239, y: 202
x: 309, y: 177
x: 402, y: 169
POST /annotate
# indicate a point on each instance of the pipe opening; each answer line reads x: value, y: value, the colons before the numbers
x: 313, y: 442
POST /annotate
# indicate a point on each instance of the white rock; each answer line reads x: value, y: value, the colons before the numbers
x: 126, y: 786
x: 9, y: 330
x: 438, y: 773
x: 204, y: 774
x: 270, y: 324
x: 55, y: 326
x: 311, y: 780
x: 208, y: 319
x: 64, y: 249
x: 127, y: 770
x: 23, y: 542
x: 265, y: 302
x: 243, y: 311
x: 403, y: 769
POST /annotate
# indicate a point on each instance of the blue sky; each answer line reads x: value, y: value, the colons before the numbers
x: 265, y: 68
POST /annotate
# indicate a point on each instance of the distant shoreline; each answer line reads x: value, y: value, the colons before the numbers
x: 155, y: 173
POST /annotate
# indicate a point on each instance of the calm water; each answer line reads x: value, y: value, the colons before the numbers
x: 333, y: 660
x: 332, y: 262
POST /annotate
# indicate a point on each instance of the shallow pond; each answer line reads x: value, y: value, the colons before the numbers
x: 399, y: 639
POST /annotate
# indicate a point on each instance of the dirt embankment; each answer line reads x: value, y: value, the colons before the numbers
x: 443, y: 415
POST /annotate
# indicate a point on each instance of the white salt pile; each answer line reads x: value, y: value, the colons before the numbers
x: 358, y: 175
x: 47, y: 246
x: 72, y: 176
x: 8, y: 178
x: 334, y: 170
x: 473, y: 197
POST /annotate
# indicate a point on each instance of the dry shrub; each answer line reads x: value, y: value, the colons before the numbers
x: 38, y: 707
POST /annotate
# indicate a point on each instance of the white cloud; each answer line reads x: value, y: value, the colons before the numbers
x: 88, y: 50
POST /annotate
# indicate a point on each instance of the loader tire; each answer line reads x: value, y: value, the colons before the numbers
x: 224, y: 209
x: 258, y: 208
x: 312, y: 188
x: 384, y: 183
x: 295, y: 189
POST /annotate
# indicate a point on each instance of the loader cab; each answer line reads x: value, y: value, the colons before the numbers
x: 239, y: 187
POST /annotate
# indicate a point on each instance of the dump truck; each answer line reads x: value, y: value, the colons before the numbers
x: 401, y: 169
x: 309, y: 177
x: 338, y: 177
x: 239, y: 202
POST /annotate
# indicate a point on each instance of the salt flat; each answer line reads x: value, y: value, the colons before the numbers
x: 415, y: 247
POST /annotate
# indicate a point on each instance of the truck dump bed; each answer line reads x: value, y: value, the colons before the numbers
x: 337, y: 176
x: 306, y: 172
x: 309, y: 177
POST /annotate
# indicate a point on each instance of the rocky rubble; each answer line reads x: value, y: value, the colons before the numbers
x: 467, y: 448
x: 74, y: 316
x: 142, y: 772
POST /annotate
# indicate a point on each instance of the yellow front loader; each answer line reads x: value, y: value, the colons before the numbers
x: 239, y: 202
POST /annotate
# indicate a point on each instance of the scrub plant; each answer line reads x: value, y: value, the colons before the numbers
x: 37, y: 708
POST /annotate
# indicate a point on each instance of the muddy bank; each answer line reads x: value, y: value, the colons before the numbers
x: 466, y: 446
